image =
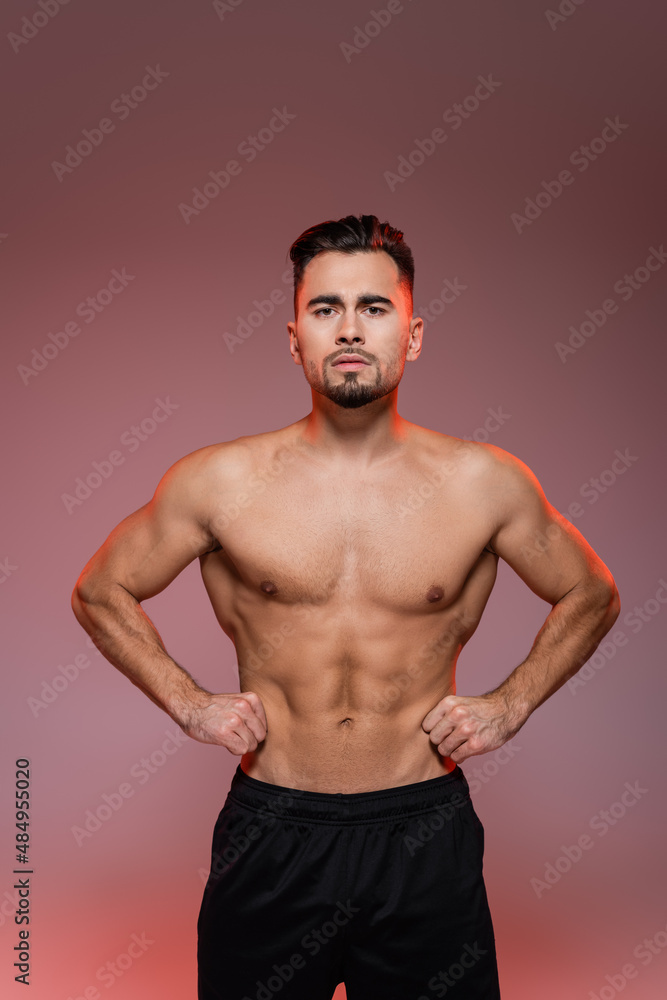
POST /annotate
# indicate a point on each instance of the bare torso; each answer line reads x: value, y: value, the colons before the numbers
x: 348, y: 592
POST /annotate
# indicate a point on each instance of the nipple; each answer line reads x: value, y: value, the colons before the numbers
x: 268, y: 587
x: 435, y: 594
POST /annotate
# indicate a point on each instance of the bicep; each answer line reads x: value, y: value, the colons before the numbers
x: 151, y: 546
x: 549, y: 554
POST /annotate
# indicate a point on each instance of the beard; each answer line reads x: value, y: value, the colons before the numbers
x: 354, y: 392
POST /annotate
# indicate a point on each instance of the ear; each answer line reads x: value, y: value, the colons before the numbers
x: 415, y: 340
x: 294, y: 344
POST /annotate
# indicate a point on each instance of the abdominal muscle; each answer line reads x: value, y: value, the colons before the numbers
x: 349, y: 722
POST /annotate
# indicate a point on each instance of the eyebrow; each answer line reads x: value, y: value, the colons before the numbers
x: 336, y: 300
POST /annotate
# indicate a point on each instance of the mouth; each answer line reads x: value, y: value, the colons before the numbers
x: 350, y: 362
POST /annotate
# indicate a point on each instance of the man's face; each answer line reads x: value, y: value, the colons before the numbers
x: 354, y: 304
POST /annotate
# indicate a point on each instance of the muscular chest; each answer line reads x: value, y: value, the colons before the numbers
x: 389, y: 540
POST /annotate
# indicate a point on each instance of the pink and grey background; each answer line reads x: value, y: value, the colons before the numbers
x: 223, y: 71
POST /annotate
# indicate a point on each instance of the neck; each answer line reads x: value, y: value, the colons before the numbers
x: 364, y: 435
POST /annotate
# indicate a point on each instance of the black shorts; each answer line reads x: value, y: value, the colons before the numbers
x: 380, y: 890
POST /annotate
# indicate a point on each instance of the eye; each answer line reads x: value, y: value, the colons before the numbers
x: 322, y: 310
x: 379, y: 310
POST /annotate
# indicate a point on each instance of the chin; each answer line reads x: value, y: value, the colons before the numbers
x: 352, y: 404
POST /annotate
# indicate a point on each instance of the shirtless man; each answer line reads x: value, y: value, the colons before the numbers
x: 348, y: 848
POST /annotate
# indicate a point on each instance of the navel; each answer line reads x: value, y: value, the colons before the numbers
x: 268, y: 586
x: 435, y: 594
x: 344, y: 722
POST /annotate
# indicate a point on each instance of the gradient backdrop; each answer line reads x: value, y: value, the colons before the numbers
x: 553, y: 319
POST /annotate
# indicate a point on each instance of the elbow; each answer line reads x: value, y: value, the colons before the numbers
x: 83, y: 597
x: 614, y: 605
x: 93, y: 596
x: 78, y: 604
x: 599, y: 594
x: 608, y: 600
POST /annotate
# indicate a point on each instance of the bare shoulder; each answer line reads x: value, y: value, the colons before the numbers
x: 505, y: 473
x: 511, y: 495
x: 475, y: 462
x: 226, y: 460
x: 253, y: 453
x: 204, y: 480
x: 198, y: 468
x: 532, y: 536
x: 490, y: 482
x: 498, y: 465
x: 500, y: 477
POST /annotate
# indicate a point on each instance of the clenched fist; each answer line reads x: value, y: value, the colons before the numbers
x: 235, y: 721
x: 463, y: 727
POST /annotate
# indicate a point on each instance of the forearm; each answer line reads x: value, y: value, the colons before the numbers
x: 571, y: 633
x: 125, y: 635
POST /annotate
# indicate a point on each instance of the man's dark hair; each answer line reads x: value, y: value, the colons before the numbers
x: 352, y: 234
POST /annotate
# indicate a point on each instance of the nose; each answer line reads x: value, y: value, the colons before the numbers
x: 350, y: 331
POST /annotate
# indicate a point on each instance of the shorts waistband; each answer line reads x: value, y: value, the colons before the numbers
x: 352, y: 807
